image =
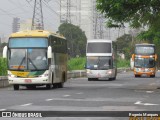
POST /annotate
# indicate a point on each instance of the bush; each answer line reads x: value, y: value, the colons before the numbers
x: 123, y: 63
x: 76, y: 63
x: 3, y: 67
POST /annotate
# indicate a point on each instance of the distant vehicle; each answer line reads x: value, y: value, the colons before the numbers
x: 101, y: 62
x: 144, y: 60
x: 36, y: 58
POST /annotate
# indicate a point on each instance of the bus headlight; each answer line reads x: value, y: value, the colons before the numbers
x: 88, y: 71
x: 109, y: 72
x: 151, y: 56
x: 136, y: 69
x: 45, y: 74
x: 11, y: 75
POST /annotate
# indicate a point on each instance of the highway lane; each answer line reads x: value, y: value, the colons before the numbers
x: 124, y: 94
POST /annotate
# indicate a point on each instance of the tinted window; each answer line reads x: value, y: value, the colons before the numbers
x: 99, y: 47
x: 58, y: 45
x: 144, y: 50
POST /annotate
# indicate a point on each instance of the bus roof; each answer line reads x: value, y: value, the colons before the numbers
x: 145, y: 44
x: 35, y: 33
x: 99, y: 40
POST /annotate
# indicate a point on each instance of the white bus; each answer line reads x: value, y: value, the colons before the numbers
x: 100, y: 63
x: 36, y: 58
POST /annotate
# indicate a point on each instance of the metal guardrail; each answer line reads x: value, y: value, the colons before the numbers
x: 70, y: 74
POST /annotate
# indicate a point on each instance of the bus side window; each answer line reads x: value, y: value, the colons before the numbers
x: 110, y: 62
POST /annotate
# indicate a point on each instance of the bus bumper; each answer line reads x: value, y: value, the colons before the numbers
x: 26, y: 81
x: 144, y: 73
x: 100, y: 73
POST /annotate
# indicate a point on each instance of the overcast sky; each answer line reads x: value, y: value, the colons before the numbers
x: 22, y: 9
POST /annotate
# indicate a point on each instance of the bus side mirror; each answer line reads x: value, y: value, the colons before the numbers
x: 156, y: 57
x: 85, y: 65
x: 5, y: 52
x: 133, y: 55
x: 49, y: 52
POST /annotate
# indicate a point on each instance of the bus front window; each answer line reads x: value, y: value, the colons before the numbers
x: 105, y: 63
x: 37, y: 59
x: 28, y: 59
x: 101, y: 63
x: 17, y: 59
x: 144, y: 62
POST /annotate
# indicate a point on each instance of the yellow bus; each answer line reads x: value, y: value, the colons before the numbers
x: 36, y: 58
x: 144, y: 59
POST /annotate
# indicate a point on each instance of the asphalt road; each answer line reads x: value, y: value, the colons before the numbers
x: 124, y: 94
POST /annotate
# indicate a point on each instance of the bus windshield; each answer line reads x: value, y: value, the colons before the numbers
x: 27, y: 59
x: 27, y: 42
x: 144, y: 50
x: 100, y: 63
x: 144, y: 62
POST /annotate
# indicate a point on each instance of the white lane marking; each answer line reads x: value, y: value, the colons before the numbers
x: 138, y: 102
x: 149, y: 91
x: 3, y: 109
x: 147, y: 104
x: 49, y: 99
x: 66, y: 95
x: 79, y: 93
x: 152, y: 84
x: 150, y: 104
x: 27, y: 104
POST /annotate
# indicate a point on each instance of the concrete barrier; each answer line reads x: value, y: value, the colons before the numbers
x: 76, y: 73
x: 70, y: 74
x: 3, y: 81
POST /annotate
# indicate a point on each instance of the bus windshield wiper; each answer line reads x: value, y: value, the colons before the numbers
x: 21, y: 63
x: 32, y: 63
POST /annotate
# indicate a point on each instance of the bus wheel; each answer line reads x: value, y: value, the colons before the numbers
x: 137, y: 75
x: 16, y: 87
x: 48, y: 86
x: 114, y: 78
x: 90, y: 79
x: 152, y: 76
x: 31, y: 86
x: 60, y: 85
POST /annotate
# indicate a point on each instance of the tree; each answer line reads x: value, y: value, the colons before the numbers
x: 76, y: 39
x: 124, y: 45
x: 138, y: 13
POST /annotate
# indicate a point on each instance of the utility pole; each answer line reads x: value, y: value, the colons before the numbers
x: 65, y: 11
x: 37, y: 20
x: 98, y: 23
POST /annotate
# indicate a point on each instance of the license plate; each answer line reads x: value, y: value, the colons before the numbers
x: 28, y: 80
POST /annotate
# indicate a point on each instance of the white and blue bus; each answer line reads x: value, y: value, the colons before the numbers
x: 36, y: 58
x: 101, y: 62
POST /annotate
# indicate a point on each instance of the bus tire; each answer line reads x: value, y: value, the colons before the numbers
x: 152, y: 76
x: 110, y: 79
x: 60, y: 85
x: 89, y: 79
x: 31, y: 86
x: 16, y: 87
x: 114, y: 78
x: 137, y: 76
x: 48, y: 86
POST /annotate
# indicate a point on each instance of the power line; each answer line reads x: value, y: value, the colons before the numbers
x: 7, y: 13
x: 47, y: 5
x: 21, y: 7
